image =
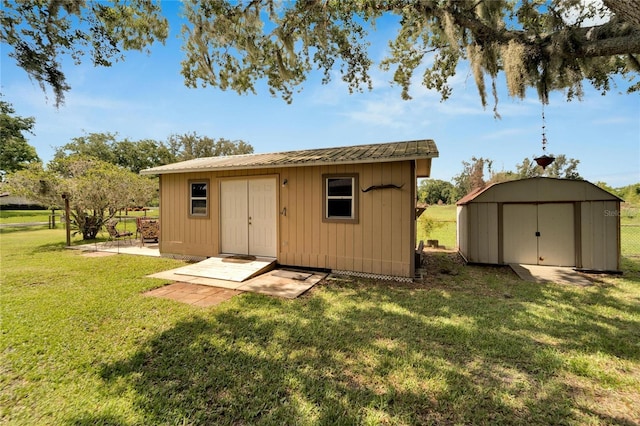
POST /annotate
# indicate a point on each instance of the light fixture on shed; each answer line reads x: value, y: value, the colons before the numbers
x: 544, y: 160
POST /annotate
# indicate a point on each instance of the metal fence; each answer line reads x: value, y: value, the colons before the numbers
x: 630, y: 240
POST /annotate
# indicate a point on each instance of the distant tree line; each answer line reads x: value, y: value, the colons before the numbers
x: 629, y: 193
x: 147, y: 153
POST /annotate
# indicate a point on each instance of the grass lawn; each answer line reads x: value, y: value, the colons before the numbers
x: 470, y: 345
x: 19, y: 216
x: 444, y: 225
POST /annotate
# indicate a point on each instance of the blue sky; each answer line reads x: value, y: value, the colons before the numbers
x: 145, y: 97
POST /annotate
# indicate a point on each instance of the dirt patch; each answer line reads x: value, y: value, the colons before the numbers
x: 438, y: 263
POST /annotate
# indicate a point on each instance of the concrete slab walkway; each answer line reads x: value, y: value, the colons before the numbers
x: 120, y: 247
x: 555, y: 274
x: 271, y: 283
x: 228, y: 267
x: 190, y: 289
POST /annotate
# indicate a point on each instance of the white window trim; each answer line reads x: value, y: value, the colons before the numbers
x: 353, y: 218
x: 205, y: 198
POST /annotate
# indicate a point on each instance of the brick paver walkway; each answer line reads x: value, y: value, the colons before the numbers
x: 194, y: 294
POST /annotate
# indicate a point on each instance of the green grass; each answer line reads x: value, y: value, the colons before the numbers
x: 443, y: 219
x: 470, y: 345
x: 19, y: 216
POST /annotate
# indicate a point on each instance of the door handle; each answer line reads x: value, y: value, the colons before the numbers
x: 537, y: 233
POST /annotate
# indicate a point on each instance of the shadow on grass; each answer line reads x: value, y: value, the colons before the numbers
x: 9, y: 229
x: 365, y: 352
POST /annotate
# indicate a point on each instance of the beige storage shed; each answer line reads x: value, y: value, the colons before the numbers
x: 349, y: 209
x: 541, y: 221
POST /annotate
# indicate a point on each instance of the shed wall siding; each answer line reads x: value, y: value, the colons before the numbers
x: 181, y: 234
x: 599, y: 235
x: 462, y: 231
x: 484, y: 239
x: 381, y: 242
x: 479, y: 236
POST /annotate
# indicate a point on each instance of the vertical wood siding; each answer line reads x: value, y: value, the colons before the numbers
x: 181, y: 234
x: 381, y: 242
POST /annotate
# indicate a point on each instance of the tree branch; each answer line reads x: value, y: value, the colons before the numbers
x: 608, y: 47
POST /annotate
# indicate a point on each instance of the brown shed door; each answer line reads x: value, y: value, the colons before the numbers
x: 541, y: 234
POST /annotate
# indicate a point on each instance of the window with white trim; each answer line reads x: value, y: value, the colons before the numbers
x: 340, y: 198
x: 199, y: 198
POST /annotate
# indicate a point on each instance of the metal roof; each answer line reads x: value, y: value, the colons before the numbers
x: 373, y: 153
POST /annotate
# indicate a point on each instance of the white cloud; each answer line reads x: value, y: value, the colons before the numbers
x: 601, y: 14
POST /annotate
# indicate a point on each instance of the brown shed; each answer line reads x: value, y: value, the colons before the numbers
x: 541, y: 221
x: 347, y: 209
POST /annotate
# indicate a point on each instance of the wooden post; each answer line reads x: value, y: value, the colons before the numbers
x: 67, y: 210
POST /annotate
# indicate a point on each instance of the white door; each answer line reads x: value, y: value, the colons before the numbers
x: 234, y: 207
x: 262, y: 217
x: 248, y: 217
x: 538, y: 234
x: 520, y: 224
x: 556, y: 243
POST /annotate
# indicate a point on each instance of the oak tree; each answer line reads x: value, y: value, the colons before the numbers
x: 15, y: 151
x: 96, y: 190
x: 43, y: 33
x: 542, y: 44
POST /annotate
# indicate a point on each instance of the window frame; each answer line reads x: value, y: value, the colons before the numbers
x: 205, y: 198
x: 354, y: 218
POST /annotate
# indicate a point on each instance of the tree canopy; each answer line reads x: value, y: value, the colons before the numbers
x: 189, y: 146
x: 562, y: 167
x: 147, y: 153
x: 542, y: 44
x: 96, y: 189
x: 43, y: 33
x: 434, y: 191
x: 15, y: 151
